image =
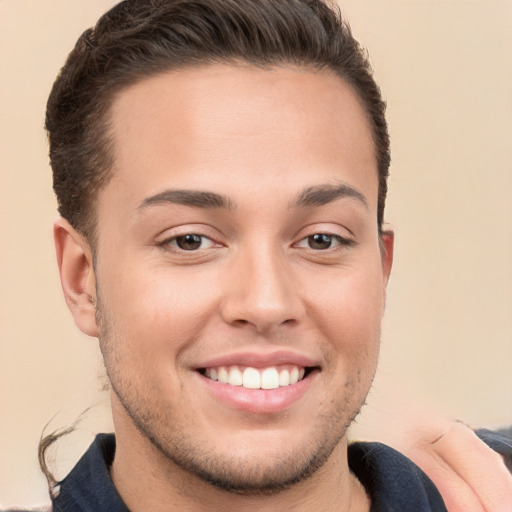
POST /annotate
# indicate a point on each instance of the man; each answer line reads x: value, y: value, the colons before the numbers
x: 221, y: 174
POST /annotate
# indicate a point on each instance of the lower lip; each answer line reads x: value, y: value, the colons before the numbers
x: 260, y: 401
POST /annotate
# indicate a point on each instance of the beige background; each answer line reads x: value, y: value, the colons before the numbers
x: 445, y: 68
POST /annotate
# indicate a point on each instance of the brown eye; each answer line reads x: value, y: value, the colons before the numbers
x: 190, y: 242
x: 320, y: 241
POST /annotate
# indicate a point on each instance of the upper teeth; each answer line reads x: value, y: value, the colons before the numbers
x: 256, y: 378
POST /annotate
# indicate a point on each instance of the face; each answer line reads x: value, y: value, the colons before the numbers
x: 239, y: 272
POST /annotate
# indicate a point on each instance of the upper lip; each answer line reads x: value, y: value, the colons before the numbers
x: 258, y: 359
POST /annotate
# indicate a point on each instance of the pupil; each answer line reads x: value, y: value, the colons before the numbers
x: 189, y: 242
x: 320, y: 241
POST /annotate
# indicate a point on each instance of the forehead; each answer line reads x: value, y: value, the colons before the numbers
x: 203, y: 125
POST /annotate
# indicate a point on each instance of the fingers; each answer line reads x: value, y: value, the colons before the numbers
x: 457, y: 494
x: 469, y: 474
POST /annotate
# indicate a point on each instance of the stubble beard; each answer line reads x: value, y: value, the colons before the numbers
x: 258, y: 476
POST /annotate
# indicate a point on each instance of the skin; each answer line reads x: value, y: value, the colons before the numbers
x: 259, y: 138
x: 255, y: 289
x: 470, y: 476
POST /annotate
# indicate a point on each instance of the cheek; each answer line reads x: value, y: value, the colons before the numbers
x: 348, y: 313
x: 156, y: 311
x: 352, y: 302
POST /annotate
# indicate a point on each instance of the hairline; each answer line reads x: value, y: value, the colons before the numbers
x: 106, y: 129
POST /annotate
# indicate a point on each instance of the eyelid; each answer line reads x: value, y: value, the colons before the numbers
x: 339, y: 231
x: 342, y: 241
x: 169, y: 241
x: 164, y: 241
x: 333, y: 227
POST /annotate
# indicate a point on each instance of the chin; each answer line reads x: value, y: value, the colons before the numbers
x: 253, y: 463
x: 256, y: 474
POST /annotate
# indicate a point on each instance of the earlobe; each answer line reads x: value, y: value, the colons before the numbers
x: 74, y: 259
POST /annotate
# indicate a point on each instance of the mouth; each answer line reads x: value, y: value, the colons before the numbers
x: 248, y: 377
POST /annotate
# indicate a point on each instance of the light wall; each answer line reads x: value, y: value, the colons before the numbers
x: 446, y: 70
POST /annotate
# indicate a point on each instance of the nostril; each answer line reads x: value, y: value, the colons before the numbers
x: 239, y: 322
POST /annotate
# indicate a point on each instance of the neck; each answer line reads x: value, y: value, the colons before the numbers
x: 146, y: 479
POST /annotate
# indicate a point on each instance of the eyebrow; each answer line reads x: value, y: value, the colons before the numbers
x: 317, y: 195
x: 320, y: 195
x: 195, y: 198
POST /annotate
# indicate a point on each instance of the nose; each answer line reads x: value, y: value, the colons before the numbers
x: 261, y: 292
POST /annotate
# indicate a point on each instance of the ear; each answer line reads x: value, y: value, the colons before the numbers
x: 387, y: 243
x: 74, y: 259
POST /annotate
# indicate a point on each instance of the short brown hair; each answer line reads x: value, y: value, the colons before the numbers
x: 140, y: 38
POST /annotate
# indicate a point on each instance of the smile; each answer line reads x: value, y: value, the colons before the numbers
x: 271, y: 377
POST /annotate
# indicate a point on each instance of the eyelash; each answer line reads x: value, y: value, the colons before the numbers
x: 170, y: 244
x: 167, y: 244
x: 341, y: 241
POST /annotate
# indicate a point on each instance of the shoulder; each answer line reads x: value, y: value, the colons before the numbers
x: 88, y: 486
x: 393, y: 481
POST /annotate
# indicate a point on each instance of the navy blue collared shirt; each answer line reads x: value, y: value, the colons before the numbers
x: 393, y: 482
